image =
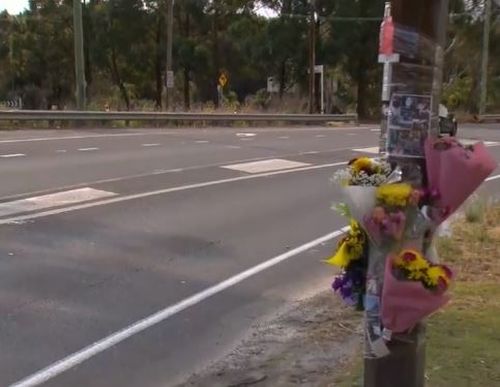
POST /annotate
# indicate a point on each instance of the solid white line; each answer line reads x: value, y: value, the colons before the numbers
x: 12, y: 155
x: 102, y: 345
x: 120, y: 199
x: 88, y: 149
x: 149, y: 145
x: 493, y: 178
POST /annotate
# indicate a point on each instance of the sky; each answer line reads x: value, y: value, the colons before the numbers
x: 13, y: 6
x: 17, y: 6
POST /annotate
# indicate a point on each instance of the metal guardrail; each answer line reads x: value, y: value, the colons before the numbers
x: 46, y: 115
x: 489, y: 118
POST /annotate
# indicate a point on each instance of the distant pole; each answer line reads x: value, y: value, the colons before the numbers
x: 169, y: 75
x: 79, y: 56
x: 312, y: 57
x: 485, y: 59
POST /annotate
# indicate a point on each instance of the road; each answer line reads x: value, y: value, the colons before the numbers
x: 136, y: 257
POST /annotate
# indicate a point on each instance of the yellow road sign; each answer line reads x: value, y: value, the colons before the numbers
x: 223, y: 80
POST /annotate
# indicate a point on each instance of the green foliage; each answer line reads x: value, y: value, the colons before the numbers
x: 125, y: 52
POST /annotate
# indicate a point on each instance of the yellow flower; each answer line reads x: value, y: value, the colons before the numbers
x: 412, y: 261
x: 435, y: 274
x: 349, y: 248
x: 342, y: 258
x: 362, y: 164
x: 395, y: 195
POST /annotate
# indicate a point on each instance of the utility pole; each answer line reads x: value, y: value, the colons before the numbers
x: 485, y: 59
x: 169, y: 75
x: 400, y: 362
x: 79, y: 56
x: 312, y: 57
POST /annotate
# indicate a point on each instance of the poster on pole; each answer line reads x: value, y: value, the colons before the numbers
x: 409, y: 124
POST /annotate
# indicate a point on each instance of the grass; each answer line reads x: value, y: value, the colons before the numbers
x: 463, y: 340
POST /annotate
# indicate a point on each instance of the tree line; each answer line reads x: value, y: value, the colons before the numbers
x: 125, y: 51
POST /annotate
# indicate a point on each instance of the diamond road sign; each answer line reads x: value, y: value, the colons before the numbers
x: 223, y: 80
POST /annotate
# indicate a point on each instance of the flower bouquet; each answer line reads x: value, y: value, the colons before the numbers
x: 414, y: 288
x: 445, y: 157
x: 358, y: 183
x: 351, y: 256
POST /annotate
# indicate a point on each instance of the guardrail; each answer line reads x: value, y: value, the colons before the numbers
x: 50, y: 115
x: 489, y: 118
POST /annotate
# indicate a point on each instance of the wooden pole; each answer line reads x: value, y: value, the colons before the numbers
x: 312, y: 58
x: 79, y: 55
x: 169, y: 76
x: 421, y: 26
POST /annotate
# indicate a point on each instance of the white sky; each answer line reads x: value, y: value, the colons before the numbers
x: 13, y: 6
x: 16, y: 6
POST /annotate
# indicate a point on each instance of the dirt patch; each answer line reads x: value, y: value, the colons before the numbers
x: 308, y: 345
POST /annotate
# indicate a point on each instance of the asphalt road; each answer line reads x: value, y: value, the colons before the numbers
x: 136, y: 257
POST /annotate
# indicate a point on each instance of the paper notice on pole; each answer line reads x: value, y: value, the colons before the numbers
x: 170, y: 79
x: 409, y: 124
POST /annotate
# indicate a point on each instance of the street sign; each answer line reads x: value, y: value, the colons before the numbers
x: 223, y: 79
x: 392, y: 58
x: 12, y: 104
x: 170, y: 79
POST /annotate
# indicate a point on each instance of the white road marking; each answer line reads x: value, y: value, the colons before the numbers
x: 246, y: 134
x: 373, y: 150
x: 150, y: 145
x: 265, y: 166
x: 202, y: 141
x: 352, y: 134
x: 493, y: 178
x: 119, y: 199
x: 375, y: 130
x: 61, y: 151
x: 114, y: 339
x: 320, y: 136
x: 311, y: 153
x: 155, y: 172
x: 52, y: 200
x: 9, y: 156
x: 233, y: 147
x: 466, y: 141
x: 247, y: 139
x: 88, y: 149
x: 36, y: 139
x: 284, y: 137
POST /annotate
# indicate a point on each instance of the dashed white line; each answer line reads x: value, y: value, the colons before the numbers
x: 202, y: 141
x: 92, y: 149
x: 352, y: 134
x: 233, y: 147
x: 284, y: 137
x: 61, y: 151
x: 320, y: 136
x: 373, y: 150
x: 150, y: 145
x: 8, y: 156
x: 104, y: 344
